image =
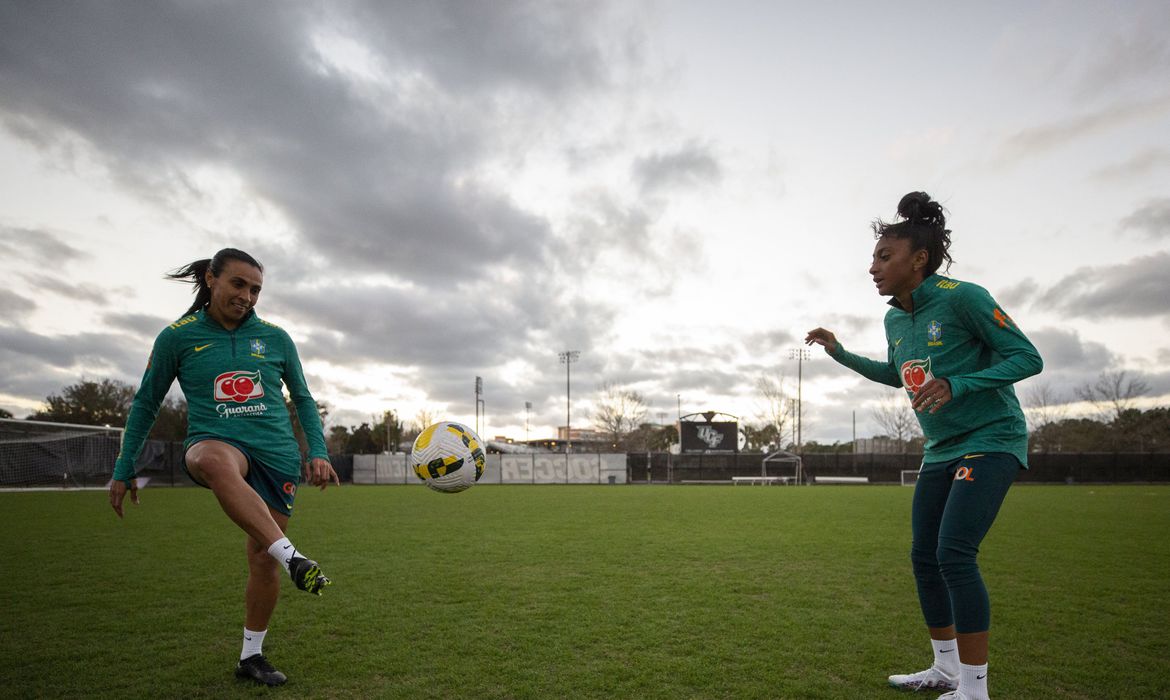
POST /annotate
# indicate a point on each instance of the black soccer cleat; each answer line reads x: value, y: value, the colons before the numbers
x: 257, y: 668
x: 307, y: 575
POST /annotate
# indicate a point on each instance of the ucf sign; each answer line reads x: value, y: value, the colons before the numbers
x: 709, y: 436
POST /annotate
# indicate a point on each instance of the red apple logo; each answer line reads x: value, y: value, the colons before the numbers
x: 915, y: 374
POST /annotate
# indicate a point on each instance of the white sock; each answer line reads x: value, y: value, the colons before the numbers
x: 946, y: 656
x: 973, y: 682
x: 283, y: 551
x: 253, y: 643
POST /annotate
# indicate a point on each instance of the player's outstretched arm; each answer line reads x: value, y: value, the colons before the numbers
x: 822, y: 337
x: 118, y: 490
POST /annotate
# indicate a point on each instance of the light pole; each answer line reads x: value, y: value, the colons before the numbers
x: 568, y: 357
x: 527, y: 411
x: 478, y: 403
x: 800, y: 355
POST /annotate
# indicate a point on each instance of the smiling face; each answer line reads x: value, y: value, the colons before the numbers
x: 234, y: 292
x: 896, y: 269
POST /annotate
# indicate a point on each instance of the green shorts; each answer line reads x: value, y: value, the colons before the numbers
x: 277, y: 489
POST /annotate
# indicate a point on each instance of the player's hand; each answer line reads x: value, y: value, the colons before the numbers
x: 319, y: 472
x: 822, y: 337
x: 118, y: 494
x: 932, y: 396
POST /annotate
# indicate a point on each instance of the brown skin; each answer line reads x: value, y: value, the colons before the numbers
x: 897, y: 271
x: 222, y: 467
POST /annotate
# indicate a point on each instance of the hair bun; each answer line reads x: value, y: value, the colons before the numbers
x: 919, y: 208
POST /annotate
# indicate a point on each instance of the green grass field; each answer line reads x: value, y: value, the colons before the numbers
x: 578, y: 592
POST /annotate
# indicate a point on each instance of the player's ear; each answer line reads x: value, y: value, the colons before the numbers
x: 919, y: 259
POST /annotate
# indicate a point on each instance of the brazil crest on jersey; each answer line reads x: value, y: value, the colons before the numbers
x: 956, y: 331
x: 232, y: 381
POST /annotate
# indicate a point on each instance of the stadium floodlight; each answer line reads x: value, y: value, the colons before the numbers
x: 479, y: 403
x: 800, y: 355
x: 527, y: 413
x: 568, y: 357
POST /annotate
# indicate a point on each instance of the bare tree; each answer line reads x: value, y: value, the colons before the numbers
x: 1043, y: 405
x: 1113, y: 393
x: 618, y: 411
x: 895, y: 417
x: 425, y: 417
x: 774, y: 407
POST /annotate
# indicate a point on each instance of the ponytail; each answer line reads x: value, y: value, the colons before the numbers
x: 924, y: 222
x: 196, y: 274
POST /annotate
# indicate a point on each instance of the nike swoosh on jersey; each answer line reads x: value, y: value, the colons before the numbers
x: 201, y: 348
x: 971, y: 456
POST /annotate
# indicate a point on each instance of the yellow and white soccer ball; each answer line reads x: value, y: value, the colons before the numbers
x: 448, y: 457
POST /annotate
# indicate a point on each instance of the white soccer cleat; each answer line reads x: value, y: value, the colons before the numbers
x: 923, y: 680
x: 953, y: 695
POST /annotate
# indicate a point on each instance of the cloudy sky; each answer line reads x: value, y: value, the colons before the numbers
x: 678, y: 190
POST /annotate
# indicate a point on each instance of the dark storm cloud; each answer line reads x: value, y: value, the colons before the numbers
x: 14, y: 307
x: 34, y: 246
x: 29, y: 357
x: 142, y: 325
x: 1018, y: 295
x: 1152, y: 218
x: 1136, y: 289
x: 688, y: 166
x: 378, y: 175
x: 373, y: 175
x: 69, y: 290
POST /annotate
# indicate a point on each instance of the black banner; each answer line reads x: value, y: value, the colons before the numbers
x: 709, y: 437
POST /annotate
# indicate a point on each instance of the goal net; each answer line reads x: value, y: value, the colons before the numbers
x: 36, y: 454
x: 909, y: 477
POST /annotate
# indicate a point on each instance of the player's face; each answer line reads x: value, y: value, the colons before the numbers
x: 896, y: 270
x: 234, y: 292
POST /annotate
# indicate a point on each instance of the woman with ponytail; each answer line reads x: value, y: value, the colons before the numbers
x: 956, y: 353
x: 231, y: 367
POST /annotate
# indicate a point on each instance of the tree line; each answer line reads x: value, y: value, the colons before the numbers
x: 1115, y: 424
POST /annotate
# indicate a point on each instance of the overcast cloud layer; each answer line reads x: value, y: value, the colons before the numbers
x: 445, y: 190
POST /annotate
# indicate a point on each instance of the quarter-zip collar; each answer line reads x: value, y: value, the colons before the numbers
x: 920, y: 294
x: 248, y: 319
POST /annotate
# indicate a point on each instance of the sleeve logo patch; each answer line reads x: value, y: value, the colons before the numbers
x: 1003, y: 319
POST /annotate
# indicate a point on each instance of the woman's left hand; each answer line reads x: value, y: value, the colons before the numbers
x: 319, y: 472
x: 932, y: 396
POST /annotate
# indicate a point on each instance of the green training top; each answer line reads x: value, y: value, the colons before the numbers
x: 957, y: 332
x: 232, y: 382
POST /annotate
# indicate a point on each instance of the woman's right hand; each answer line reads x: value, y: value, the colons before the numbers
x: 822, y: 337
x: 118, y: 493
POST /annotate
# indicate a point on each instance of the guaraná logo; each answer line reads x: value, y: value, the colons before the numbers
x: 915, y: 374
x: 238, y: 386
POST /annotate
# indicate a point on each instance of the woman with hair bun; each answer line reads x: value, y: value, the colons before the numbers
x: 231, y: 366
x: 956, y: 353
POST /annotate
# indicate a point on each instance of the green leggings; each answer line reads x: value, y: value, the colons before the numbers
x: 955, y: 503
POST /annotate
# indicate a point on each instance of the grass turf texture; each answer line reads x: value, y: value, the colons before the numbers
x: 578, y: 592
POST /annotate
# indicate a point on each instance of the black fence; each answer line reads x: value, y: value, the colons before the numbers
x: 88, y: 462
x: 1066, y: 468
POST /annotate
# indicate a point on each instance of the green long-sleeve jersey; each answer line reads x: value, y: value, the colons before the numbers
x: 957, y: 332
x: 232, y: 381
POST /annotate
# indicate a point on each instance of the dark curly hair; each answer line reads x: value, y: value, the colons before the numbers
x: 924, y: 222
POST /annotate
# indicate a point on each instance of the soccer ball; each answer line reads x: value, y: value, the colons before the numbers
x: 448, y: 457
